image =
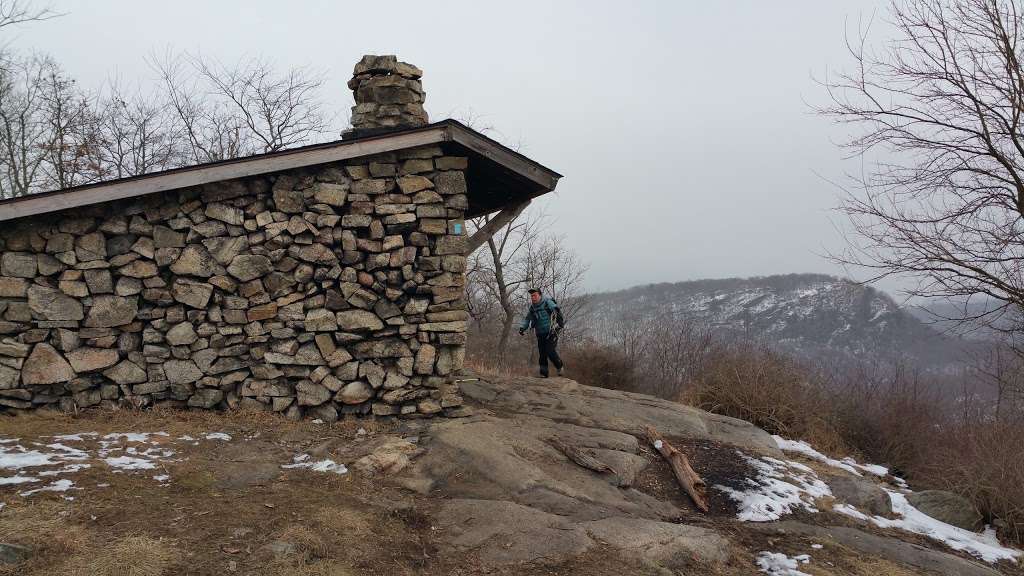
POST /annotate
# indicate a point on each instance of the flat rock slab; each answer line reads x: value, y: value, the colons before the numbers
x: 891, y: 549
x: 504, y: 533
x: 513, y: 459
x: 566, y: 401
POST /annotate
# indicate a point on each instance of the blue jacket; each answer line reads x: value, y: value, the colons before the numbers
x: 540, y: 316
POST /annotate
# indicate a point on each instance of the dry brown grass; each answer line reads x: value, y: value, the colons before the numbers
x: 136, y: 555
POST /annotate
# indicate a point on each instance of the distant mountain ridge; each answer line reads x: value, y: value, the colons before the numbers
x: 811, y: 314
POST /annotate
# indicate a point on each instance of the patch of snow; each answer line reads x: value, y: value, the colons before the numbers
x: 317, y: 421
x: 67, y: 469
x: 18, y: 479
x: 984, y: 546
x: 778, y: 564
x: 778, y: 488
x: 658, y: 444
x: 218, y: 436
x: 848, y: 464
x: 817, y: 546
x: 186, y: 438
x: 58, y: 486
x: 302, y: 461
x: 73, y: 437
x: 129, y: 463
x: 161, y: 478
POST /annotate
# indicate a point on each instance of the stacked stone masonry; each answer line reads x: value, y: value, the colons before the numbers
x: 332, y: 290
x: 388, y: 93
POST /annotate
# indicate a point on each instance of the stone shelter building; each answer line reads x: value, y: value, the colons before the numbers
x: 316, y: 281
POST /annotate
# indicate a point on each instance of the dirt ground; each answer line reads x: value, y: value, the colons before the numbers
x: 230, y: 508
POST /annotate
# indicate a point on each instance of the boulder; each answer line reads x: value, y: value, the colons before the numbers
x: 87, y: 359
x: 862, y: 493
x: 49, y: 304
x: 108, y: 311
x: 46, y: 366
x: 248, y: 267
x: 948, y: 507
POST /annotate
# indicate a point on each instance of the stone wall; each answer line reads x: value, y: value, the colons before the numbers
x: 316, y: 292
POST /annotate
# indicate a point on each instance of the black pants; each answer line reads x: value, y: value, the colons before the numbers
x: 545, y: 350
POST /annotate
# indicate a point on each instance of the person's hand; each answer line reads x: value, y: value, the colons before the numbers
x: 521, y: 331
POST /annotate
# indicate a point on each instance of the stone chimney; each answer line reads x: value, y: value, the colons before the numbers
x: 389, y: 96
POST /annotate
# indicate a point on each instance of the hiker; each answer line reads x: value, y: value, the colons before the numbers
x: 542, y: 315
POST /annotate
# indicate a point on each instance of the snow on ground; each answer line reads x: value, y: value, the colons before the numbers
x: 36, y: 462
x: 778, y: 489
x: 848, y: 464
x: 984, y: 546
x: 772, y: 495
x: 303, y: 461
x: 778, y: 564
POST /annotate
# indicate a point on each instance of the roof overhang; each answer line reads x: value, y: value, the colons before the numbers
x: 498, y: 176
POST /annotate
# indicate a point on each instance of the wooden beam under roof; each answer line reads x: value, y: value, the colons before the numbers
x: 491, y: 227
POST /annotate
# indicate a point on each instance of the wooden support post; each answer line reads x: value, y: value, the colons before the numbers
x: 492, y: 226
x: 687, y: 478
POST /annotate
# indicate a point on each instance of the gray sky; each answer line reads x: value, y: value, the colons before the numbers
x: 683, y: 128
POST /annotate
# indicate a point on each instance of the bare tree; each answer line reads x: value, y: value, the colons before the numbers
x: 943, y: 106
x: 25, y: 134
x: 17, y: 12
x: 134, y: 133
x: 232, y: 111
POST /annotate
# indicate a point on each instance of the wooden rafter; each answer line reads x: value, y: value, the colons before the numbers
x: 492, y: 226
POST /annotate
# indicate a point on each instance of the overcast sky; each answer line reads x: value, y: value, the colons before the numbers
x: 684, y: 129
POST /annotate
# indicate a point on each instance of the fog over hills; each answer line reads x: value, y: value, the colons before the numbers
x: 810, y: 314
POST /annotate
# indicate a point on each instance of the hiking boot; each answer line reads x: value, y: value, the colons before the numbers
x: 543, y: 374
x: 560, y: 370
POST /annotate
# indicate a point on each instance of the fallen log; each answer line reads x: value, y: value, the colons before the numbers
x: 691, y: 483
x: 582, y: 457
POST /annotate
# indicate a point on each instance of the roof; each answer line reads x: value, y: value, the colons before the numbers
x: 498, y: 176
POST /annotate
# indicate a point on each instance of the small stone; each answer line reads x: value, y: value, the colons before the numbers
x: 182, y: 371
x: 354, y: 393
x: 206, y: 398
x: 310, y: 394
x: 195, y: 260
x: 108, y: 311
x: 49, y: 304
x: 45, y: 366
x: 127, y: 372
x: 248, y: 267
x: 13, y: 287
x: 320, y: 320
x: 330, y: 194
x: 358, y: 321
x: 91, y: 247
x: 190, y: 293
x: 164, y: 237
x: 425, y: 359
x: 413, y: 184
x: 92, y: 359
x: 225, y: 213
x: 18, y: 264
x: 182, y: 334
x: 139, y: 269
x: 288, y: 201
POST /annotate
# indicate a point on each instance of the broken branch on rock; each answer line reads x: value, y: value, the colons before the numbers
x: 691, y: 483
x: 582, y: 457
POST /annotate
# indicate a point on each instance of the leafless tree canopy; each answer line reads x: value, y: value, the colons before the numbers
x: 523, y: 254
x: 55, y: 134
x: 18, y: 11
x: 942, y: 105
